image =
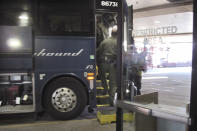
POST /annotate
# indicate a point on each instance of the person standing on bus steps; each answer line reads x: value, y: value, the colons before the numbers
x: 106, y: 52
x: 103, y: 23
x: 101, y: 32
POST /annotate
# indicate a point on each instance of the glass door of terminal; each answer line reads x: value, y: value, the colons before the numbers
x: 157, y: 72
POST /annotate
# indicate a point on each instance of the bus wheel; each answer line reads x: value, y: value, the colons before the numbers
x: 65, y: 98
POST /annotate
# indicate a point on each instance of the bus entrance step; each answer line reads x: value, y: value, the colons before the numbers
x: 101, y: 96
x: 99, y: 88
x: 100, y: 91
x: 99, y: 83
x: 102, y: 105
x: 107, y: 115
x: 102, y: 99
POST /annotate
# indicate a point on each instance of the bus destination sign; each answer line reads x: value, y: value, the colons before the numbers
x: 107, y: 5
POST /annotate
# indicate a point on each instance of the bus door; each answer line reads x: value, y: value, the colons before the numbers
x: 107, y: 43
x: 105, y: 23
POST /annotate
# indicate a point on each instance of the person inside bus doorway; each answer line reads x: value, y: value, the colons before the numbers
x: 106, y: 53
x: 103, y: 23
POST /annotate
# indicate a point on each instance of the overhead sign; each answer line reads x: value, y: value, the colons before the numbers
x: 112, y: 5
x: 168, y: 30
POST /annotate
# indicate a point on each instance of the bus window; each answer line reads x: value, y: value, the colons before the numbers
x: 70, y: 19
x: 15, y: 13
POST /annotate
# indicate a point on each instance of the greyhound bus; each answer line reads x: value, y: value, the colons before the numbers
x: 48, y: 55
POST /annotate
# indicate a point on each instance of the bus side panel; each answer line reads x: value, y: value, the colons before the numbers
x: 70, y: 53
x: 60, y: 56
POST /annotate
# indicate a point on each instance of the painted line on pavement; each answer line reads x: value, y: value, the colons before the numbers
x: 38, y: 124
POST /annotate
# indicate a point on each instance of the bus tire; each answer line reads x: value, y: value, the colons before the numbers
x: 65, y: 98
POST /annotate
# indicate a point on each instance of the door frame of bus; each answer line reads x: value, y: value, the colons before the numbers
x: 119, y: 111
x: 193, y: 96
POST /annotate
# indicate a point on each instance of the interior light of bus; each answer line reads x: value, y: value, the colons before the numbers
x: 14, y: 43
x: 23, y: 17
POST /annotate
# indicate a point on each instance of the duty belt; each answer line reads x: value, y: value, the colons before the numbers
x: 106, y: 59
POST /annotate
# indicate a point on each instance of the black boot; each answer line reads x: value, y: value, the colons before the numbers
x: 138, y: 92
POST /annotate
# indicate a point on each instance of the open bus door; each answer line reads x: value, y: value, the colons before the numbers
x: 111, y: 8
x: 106, y: 16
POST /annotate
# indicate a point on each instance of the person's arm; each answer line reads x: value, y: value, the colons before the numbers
x: 100, y: 49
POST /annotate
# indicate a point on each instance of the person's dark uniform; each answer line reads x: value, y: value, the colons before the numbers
x: 136, y: 63
x: 136, y: 76
x: 101, y: 33
x: 141, y: 68
x: 107, y: 63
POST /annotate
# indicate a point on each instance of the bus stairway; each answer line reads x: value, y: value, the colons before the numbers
x: 102, y: 99
x: 106, y: 114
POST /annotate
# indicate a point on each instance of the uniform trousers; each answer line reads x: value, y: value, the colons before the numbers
x: 111, y: 69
